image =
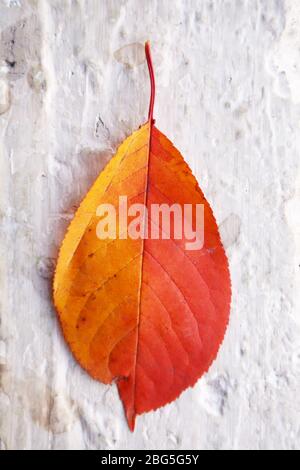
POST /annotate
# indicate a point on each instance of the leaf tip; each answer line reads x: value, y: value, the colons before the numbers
x: 131, y: 420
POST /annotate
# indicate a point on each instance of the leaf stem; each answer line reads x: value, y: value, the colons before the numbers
x: 152, y: 81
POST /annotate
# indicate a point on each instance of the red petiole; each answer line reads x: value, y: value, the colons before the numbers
x: 152, y: 81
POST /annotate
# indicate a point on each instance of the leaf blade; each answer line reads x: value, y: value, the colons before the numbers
x: 145, y: 328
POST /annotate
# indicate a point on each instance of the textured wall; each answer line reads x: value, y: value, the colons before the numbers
x: 229, y: 97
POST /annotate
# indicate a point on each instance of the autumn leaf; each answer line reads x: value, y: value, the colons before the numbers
x: 147, y: 313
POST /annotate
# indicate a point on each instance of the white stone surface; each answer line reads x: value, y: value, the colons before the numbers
x: 228, y: 79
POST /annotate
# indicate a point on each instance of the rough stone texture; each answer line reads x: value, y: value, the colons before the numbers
x: 73, y: 84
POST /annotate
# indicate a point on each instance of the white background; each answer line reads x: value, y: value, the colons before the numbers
x: 73, y: 84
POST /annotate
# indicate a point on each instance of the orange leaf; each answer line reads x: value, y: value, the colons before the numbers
x: 149, y: 314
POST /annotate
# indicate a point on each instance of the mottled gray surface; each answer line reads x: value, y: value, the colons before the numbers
x: 73, y: 84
